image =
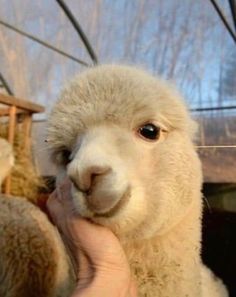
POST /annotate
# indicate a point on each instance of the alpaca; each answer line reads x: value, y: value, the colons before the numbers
x: 29, y: 246
x: 125, y: 140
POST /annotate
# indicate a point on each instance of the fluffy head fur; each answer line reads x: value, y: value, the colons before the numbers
x: 138, y: 188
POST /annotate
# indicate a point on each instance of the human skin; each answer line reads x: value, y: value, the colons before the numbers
x: 100, y: 262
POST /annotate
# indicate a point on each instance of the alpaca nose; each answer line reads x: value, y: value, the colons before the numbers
x: 85, y: 178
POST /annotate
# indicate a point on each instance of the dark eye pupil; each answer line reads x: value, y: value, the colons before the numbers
x: 150, y: 131
x: 65, y: 156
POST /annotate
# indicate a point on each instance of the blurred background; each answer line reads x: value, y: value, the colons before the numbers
x: 183, y: 41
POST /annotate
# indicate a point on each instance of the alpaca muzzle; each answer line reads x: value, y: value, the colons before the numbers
x: 101, y: 189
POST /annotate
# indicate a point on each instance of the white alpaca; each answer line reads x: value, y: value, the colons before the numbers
x: 125, y: 140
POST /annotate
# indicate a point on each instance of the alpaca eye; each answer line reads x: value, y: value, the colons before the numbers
x: 65, y: 156
x: 62, y: 157
x: 150, y: 131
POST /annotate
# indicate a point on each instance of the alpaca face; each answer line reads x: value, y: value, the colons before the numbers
x: 124, y: 139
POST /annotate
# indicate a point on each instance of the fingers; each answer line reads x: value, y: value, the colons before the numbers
x: 60, y: 204
x: 132, y: 289
x: 100, y: 244
x: 60, y: 207
x: 63, y: 191
x: 106, y: 262
x: 96, y: 249
x: 54, y: 207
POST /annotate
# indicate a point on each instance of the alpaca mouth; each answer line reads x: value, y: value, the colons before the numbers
x: 100, y: 204
x: 117, y: 207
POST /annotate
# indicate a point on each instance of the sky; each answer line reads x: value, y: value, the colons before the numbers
x: 183, y: 41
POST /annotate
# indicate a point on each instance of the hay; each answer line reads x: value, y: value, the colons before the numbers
x: 25, y: 179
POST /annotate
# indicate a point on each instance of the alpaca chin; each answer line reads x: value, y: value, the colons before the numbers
x: 123, y: 218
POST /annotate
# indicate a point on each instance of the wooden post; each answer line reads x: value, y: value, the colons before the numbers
x: 16, y: 106
x: 11, y: 134
x: 12, y: 123
x: 27, y: 124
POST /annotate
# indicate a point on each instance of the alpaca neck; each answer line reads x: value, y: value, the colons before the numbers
x: 165, y: 260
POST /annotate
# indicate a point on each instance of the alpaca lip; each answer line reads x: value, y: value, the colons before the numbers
x: 124, y: 199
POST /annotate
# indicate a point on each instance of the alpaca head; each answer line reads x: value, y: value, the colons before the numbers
x: 6, y: 159
x: 125, y: 140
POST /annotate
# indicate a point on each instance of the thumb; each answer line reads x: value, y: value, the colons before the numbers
x: 101, y: 259
x: 98, y: 243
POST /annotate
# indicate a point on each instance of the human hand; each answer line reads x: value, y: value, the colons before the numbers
x: 102, y: 267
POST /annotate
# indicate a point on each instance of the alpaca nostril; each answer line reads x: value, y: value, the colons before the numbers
x: 93, y: 179
x: 77, y: 186
x: 86, y: 179
x: 94, y: 173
